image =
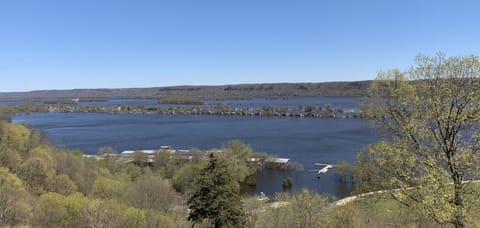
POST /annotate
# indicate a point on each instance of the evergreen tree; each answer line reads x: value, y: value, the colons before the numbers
x: 215, y: 197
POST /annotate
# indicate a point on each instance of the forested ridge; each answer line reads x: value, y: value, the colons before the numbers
x: 241, y: 91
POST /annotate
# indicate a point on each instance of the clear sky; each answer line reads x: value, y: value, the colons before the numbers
x: 68, y: 44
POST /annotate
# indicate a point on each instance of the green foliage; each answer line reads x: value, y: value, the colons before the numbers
x: 215, y: 197
x: 37, y: 172
x: 106, y: 150
x: 155, y: 219
x: 345, y: 171
x: 182, y: 100
x: 151, y: 192
x: 82, y: 171
x: 98, y: 213
x: 16, y: 137
x: 9, y: 158
x: 183, y: 179
x: 287, y: 183
x: 310, y: 108
x: 254, y: 209
x: 430, y: 115
x: 107, y: 188
x: 14, y: 209
x: 63, y: 185
x: 382, y: 212
x: 130, y: 217
x: 44, y: 192
x: 133, y: 172
x: 6, y: 113
x: 302, y: 209
x: 167, y: 163
x: 237, y: 154
x: 140, y: 159
x: 306, y: 209
x: 348, y: 215
x: 74, y: 204
x: 50, y: 211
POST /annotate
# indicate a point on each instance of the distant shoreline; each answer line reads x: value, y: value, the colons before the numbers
x: 239, y: 91
x: 309, y: 108
x: 197, y: 110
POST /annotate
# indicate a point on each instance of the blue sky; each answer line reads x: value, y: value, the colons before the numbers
x: 68, y: 44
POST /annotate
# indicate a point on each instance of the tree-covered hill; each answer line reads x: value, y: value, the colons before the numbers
x: 241, y: 91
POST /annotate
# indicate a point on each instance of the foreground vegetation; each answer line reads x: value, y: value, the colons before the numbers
x: 432, y: 152
x: 44, y: 186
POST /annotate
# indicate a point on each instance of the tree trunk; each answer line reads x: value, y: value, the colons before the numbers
x: 458, y: 220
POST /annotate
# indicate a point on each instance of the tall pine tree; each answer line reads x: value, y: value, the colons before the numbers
x: 215, y: 197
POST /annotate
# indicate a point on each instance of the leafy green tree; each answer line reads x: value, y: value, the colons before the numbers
x: 14, y: 209
x: 86, y: 175
x: 182, y: 181
x: 63, y: 185
x: 155, y: 219
x: 132, y: 172
x: 97, y: 213
x: 287, y: 184
x: 82, y: 171
x: 110, y: 213
x: 151, y: 192
x: 345, y: 171
x: 430, y: 116
x: 254, y: 210
x: 50, y: 211
x: 16, y: 137
x: 6, y: 113
x: 106, y: 150
x: 237, y: 154
x: 9, y: 158
x: 166, y: 162
x: 107, y: 188
x: 74, y: 205
x: 306, y: 206
x: 140, y: 158
x: 130, y: 217
x: 348, y: 215
x: 215, y: 197
x: 302, y: 209
x: 38, y: 171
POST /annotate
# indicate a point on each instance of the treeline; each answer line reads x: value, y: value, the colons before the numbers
x: 7, y: 111
x: 181, y: 100
x: 270, y: 111
x: 242, y: 91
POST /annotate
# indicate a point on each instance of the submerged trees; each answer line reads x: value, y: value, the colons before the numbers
x: 430, y: 115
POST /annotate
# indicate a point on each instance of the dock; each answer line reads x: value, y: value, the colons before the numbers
x: 322, y: 170
x: 325, y: 169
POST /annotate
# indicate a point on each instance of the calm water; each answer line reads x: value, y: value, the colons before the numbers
x: 304, y: 140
